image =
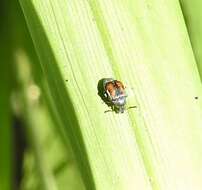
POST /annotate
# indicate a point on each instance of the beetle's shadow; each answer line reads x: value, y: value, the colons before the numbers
x: 100, y: 89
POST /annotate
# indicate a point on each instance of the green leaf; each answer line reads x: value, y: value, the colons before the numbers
x: 6, y: 142
x: 145, y: 45
x: 192, y: 13
x: 6, y: 130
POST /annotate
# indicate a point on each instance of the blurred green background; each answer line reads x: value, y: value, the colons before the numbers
x: 32, y: 154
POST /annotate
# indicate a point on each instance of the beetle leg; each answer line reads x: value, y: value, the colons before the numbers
x: 108, y: 111
x: 131, y: 107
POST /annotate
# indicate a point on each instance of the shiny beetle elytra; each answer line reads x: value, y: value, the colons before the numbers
x: 114, y: 92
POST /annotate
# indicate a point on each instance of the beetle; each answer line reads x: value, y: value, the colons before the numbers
x: 114, y: 92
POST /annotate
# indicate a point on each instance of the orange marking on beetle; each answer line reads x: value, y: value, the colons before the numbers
x: 111, y: 89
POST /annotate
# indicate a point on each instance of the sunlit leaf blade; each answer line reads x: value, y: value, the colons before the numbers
x: 145, y: 45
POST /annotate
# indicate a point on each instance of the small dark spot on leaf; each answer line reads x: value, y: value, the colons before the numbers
x: 196, y: 97
x: 66, y: 80
x: 150, y: 179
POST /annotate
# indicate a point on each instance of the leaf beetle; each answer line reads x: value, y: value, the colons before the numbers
x: 114, y: 92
